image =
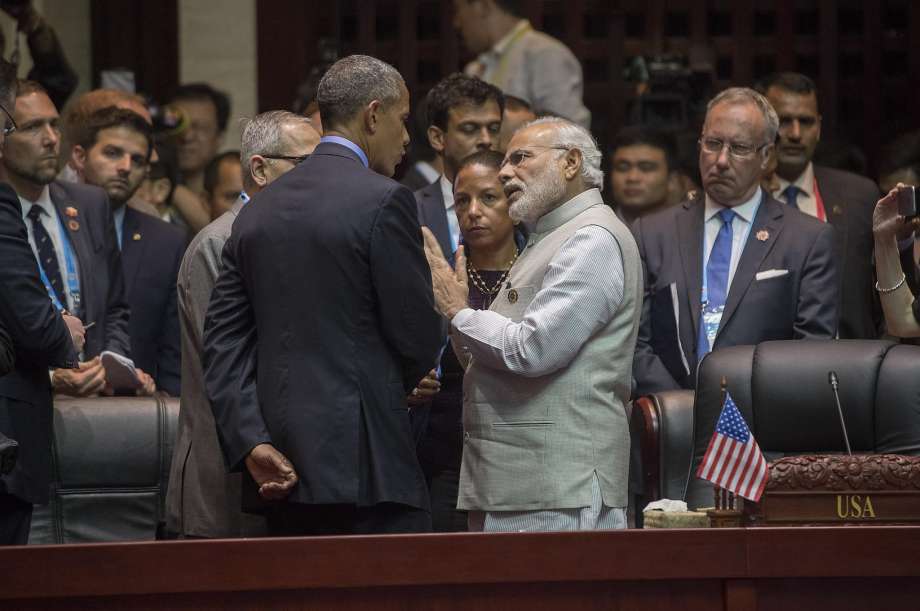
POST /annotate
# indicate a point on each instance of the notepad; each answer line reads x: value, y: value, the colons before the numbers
x: 119, y: 371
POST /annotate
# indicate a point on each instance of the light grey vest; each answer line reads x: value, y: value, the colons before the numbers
x: 535, y: 443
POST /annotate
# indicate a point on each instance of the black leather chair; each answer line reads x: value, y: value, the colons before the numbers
x: 782, y: 390
x: 111, y: 458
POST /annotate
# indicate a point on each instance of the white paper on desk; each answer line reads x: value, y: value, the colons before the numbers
x: 666, y: 505
x: 119, y: 371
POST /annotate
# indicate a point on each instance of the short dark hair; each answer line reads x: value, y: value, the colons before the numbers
x: 166, y: 165
x: 203, y: 91
x: 212, y: 170
x: 639, y: 134
x: 490, y: 159
x: 459, y: 90
x: 352, y: 83
x: 112, y: 116
x: 793, y: 82
x: 515, y: 103
x: 25, y: 87
x: 8, y: 81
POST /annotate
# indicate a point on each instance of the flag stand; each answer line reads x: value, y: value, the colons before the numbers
x: 726, y: 512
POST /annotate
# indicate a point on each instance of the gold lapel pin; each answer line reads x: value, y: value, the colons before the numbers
x: 512, y: 296
x: 763, y: 235
x: 73, y: 225
x: 837, y: 210
x: 70, y: 211
x: 136, y: 237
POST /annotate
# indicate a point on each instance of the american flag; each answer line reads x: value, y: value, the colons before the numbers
x: 733, y: 460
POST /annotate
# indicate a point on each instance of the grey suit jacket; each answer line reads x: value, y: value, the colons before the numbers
x: 202, y: 500
x: 798, y: 299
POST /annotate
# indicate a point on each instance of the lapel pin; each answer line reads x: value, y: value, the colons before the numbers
x: 837, y: 210
x: 691, y: 195
x: 136, y: 237
x: 73, y: 225
x: 70, y: 211
x: 763, y: 235
x: 512, y: 296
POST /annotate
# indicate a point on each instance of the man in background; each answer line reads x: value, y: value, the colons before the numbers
x: 223, y: 182
x: 641, y: 160
x: 519, y: 60
x: 203, y: 500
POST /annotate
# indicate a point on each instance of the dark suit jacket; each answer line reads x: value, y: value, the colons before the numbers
x: 40, y: 340
x: 151, y: 252
x: 799, y: 304
x: 433, y: 215
x: 321, y: 322
x: 102, y: 285
x: 849, y: 201
x: 414, y: 180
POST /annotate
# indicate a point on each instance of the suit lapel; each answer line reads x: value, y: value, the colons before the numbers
x: 836, y: 211
x: 763, y: 235
x: 78, y: 233
x: 132, y: 249
x: 434, y: 216
x: 690, y: 242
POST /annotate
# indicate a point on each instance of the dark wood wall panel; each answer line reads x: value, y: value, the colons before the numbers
x: 139, y: 36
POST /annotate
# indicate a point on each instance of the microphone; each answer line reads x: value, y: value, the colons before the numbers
x: 832, y: 380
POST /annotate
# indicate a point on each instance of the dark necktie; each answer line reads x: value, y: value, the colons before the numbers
x: 720, y: 260
x: 791, y: 195
x: 47, y: 256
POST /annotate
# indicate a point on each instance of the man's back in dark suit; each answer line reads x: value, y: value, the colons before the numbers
x: 40, y: 340
x: 151, y: 253
x: 326, y: 269
x: 783, y: 288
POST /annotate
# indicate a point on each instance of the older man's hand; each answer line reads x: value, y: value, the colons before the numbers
x: 449, y: 285
x: 271, y: 471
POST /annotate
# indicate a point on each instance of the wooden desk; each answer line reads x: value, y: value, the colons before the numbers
x: 771, y: 568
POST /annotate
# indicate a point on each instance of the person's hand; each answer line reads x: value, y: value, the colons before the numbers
x: 425, y: 391
x: 272, y: 472
x: 148, y: 385
x: 449, y: 285
x: 88, y: 379
x: 77, y: 332
x: 887, y: 223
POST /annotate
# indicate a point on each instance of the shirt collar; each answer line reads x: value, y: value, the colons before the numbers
x: 560, y: 215
x: 427, y: 170
x: 349, y: 145
x: 746, y: 211
x: 508, y: 39
x: 447, y: 192
x: 805, y: 182
x: 44, y: 201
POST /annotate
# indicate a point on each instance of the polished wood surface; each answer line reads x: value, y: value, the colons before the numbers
x: 690, y: 569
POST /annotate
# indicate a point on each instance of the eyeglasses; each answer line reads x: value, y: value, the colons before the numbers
x: 10, y: 126
x: 295, y: 159
x: 520, y: 156
x: 738, y: 150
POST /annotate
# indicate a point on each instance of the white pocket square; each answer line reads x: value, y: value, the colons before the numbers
x: 770, y: 273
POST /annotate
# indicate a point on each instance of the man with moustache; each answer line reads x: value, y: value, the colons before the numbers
x: 113, y: 153
x: 735, y: 266
x: 72, y: 233
x: 203, y: 500
x: 322, y: 321
x: 840, y: 198
x: 548, y: 365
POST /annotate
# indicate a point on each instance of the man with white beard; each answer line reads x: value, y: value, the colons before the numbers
x: 549, y: 365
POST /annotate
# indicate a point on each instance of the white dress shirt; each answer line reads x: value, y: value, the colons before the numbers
x: 744, y: 218
x: 806, y: 199
x: 52, y: 225
x: 453, y: 223
x: 581, y: 291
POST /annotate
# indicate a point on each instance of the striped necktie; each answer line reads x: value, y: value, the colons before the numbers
x: 47, y: 256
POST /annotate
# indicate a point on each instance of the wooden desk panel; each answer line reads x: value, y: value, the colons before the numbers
x: 681, y: 569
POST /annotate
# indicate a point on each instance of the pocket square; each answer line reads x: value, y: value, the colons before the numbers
x: 770, y: 273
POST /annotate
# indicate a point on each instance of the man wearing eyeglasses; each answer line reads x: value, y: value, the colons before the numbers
x: 843, y: 199
x: 203, y: 500
x: 734, y: 266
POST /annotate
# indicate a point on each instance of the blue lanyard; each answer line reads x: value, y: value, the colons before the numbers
x: 73, y: 283
x: 704, y: 297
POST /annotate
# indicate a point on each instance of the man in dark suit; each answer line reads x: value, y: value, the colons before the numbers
x: 39, y: 338
x: 113, y: 153
x: 73, y: 236
x: 322, y: 321
x: 734, y: 266
x: 840, y: 198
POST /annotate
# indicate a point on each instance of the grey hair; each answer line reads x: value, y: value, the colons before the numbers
x: 573, y: 136
x: 262, y: 135
x: 352, y: 83
x: 740, y: 95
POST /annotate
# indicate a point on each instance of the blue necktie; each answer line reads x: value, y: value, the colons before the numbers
x: 47, y: 256
x: 720, y: 260
x: 791, y: 195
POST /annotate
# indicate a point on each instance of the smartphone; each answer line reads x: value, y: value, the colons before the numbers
x: 907, y: 202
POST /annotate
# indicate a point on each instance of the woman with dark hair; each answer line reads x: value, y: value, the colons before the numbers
x: 492, y: 243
